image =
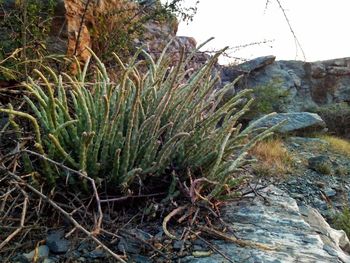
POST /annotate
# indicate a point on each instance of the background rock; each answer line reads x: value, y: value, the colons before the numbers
x: 294, y: 122
x: 309, y: 84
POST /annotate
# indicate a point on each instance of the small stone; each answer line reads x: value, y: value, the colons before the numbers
x: 320, y: 184
x: 95, y: 254
x: 129, y: 246
x: 141, y: 259
x: 57, y: 243
x: 329, y: 192
x: 178, y: 244
x: 49, y: 260
x: 42, y: 253
x: 81, y: 259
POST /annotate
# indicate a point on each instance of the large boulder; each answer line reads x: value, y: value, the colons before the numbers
x: 292, y: 122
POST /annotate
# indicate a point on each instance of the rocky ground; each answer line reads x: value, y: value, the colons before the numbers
x: 283, y: 219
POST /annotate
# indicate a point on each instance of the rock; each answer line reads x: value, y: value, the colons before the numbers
x: 321, y: 164
x: 178, y: 244
x: 338, y: 71
x: 309, y: 84
x: 295, y: 122
x: 300, y: 233
x: 329, y: 192
x: 256, y: 63
x: 130, y: 240
x: 305, y: 140
x: 42, y: 253
x: 318, y: 70
x: 336, y: 239
x: 141, y: 259
x: 57, y: 243
x: 96, y: 254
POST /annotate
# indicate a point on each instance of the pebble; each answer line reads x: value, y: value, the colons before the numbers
x: 57, y: 243
x: 43, y: 252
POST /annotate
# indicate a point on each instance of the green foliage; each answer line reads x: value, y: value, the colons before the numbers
x: 144, y: 125
x: 268, y: 99
x: 25, y: 26
x: 337, y: 117
x: 342, y: 221
x: 117, y: 29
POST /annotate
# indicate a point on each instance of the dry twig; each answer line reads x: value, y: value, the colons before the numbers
x: 65, y: 213
x: 97, y: 226
x: 23, y: 216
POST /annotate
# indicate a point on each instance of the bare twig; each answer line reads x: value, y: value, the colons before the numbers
x: 242, y: 243
x: 65, y: 213
x: 23, y: 216
x: 297, y: 43
x: 212, y: 246
x: 168, y: 217
x: 97, y: 226
x: 81, y: 26
x: 123, y: 198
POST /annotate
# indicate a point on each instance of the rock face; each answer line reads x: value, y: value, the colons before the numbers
x: 294, y: 122
x: 309, y: 84
x: 294, y: 234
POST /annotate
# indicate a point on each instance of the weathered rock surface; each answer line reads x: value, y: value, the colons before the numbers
x: 295, y: 234
x: 309, y: 84
x: 328, y: 193
x: 295, y: 121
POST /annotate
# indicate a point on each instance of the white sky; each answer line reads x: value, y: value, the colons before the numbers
x: 322, y: 27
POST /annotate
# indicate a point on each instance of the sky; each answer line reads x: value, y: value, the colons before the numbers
x: 321, y: 26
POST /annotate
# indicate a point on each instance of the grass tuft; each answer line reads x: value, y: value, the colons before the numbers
x: 273, y: 158
x: 338, y: 144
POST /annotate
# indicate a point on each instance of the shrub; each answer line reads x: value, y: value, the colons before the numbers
x: 25, y: 26
x: 342, y: 221
x: 337, y: 118
x: 268, y: 99
x: 142, y: 126
x: 273, y: 158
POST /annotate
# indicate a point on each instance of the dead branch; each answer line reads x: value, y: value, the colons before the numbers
x: 97, y: 226
x: 23, y: 216
x: 167, y: 219
x: 214, y: 248
x: 65, y: 213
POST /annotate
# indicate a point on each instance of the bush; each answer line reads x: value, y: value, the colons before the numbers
x: 25, y: 26
x: 337, y: 118
x: 146, y: 125
x: 342, y: 221
x: 268, y: 99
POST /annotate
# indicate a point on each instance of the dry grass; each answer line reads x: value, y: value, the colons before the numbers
x: 273, y: 158
x: 337, y: 144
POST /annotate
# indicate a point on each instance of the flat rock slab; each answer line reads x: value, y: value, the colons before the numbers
x: 295, y: 234
x: 295, y: 121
